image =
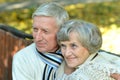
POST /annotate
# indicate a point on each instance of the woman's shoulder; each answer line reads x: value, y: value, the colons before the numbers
x: 94, y: 71
x: 110, y: 57
x: 60, y: 71
x: 103, y: 52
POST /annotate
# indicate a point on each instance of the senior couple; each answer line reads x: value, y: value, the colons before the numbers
x: 64, y: 49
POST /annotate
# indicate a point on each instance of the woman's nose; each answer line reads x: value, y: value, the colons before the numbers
x: 68, y: 52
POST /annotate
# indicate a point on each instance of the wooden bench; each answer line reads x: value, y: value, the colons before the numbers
x: 11, y: 40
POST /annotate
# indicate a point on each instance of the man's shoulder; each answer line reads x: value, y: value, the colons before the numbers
x: 27, y: 51
x: 27, y: 54
x: 29, y: 48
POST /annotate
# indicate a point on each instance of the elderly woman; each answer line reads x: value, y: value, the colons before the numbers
x: 80, y: 44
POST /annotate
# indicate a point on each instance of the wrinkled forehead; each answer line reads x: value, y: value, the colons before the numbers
x: 70, y: 35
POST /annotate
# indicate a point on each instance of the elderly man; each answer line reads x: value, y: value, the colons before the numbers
x: 39, y: 60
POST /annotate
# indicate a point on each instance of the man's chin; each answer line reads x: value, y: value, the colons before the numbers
x: 42, y: 49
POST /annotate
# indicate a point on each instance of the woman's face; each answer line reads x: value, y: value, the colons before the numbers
x: 74, y: 53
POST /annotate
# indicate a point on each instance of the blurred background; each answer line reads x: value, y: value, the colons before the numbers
x: 103, y: 13
x: 17, y: 14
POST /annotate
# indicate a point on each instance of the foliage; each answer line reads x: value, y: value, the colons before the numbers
x: 106, y: 15
x: 102, y: 14
x: 20, y: 19
x: 3, y: 1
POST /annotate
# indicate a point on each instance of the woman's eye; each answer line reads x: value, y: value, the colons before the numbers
x: 62, y: 46
x: 73, y: 45
x: 45, y: 31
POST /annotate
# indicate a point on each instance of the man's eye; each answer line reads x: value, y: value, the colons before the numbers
x: 45, y: 31
x: 35, y: 30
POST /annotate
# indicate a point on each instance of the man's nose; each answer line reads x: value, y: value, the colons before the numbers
x: 39, y: 35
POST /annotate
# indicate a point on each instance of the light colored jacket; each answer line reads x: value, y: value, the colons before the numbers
x: 27, y: 64
x: 97, y: 69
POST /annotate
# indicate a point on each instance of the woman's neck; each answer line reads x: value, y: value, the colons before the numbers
x: 68, y: 70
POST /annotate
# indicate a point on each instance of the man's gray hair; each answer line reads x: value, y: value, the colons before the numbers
x: 52, y: 9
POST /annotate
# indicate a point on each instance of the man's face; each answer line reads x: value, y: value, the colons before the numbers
x: 44, y: 33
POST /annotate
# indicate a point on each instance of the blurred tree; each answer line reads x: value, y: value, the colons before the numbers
x: 15, y: 4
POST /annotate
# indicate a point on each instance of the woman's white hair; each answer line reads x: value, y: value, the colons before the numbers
x: 87, y: 33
